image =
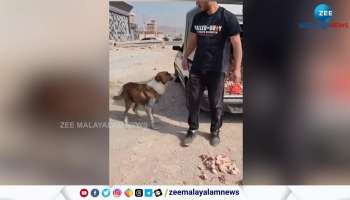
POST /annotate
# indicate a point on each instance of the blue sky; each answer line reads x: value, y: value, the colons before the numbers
x: 167, y: 13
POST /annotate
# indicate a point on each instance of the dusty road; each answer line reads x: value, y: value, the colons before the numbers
x: 139, y: 155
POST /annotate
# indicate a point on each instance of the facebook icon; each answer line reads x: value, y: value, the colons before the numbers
x: 95, y: 192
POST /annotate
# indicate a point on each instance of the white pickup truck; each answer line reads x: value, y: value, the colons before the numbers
x: 233, y: 102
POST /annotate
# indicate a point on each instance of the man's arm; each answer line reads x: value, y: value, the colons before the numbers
x: 237, y: 58
x: 191, y: 46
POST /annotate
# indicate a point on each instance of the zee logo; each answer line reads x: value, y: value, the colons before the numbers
x: 323, y: 13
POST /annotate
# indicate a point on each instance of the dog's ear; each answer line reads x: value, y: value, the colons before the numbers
x: 157, y: 78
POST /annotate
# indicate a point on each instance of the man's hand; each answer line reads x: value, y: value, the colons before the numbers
x: 184, y: 63
x: 236, y: 76
x: 191, y: 46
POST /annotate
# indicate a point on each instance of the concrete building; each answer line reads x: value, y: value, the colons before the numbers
x: 122, y: 24
x: 151, y: 27
x: 151, y: 31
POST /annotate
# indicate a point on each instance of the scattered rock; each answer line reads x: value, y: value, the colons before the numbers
x: 139, y: 142
x: 214, y: 171
x: 222, y: 179
x: 203, y: 176
x: 203, y: 157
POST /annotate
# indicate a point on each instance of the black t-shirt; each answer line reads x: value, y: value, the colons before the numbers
x: 213, y: 33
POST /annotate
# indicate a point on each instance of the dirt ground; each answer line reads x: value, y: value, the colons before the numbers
x: 141, y: 156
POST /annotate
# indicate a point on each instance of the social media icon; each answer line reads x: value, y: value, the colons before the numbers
x: 95, y: 192
x: 138, y: 193
x: 158, y: 192
x: 128, y: 192
x: 84, y: 192
x: 117, y: 192
x: 106, y: 192
x: 148, y: 192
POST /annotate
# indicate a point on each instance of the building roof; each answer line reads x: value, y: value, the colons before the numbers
x: 122, y: 5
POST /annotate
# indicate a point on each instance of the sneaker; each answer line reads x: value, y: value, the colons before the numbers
x: 215, y: 139
x: 191, y: 134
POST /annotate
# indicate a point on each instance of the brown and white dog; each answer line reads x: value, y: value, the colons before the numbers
x: 145, y: 94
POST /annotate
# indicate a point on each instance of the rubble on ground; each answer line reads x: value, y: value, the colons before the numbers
x: 219, y: 165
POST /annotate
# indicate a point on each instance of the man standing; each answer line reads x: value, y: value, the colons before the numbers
x: 212, y: 31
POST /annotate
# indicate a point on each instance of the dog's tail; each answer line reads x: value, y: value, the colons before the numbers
x: 119, y: 96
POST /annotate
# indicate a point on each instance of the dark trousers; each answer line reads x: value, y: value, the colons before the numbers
x: 197, y: 83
